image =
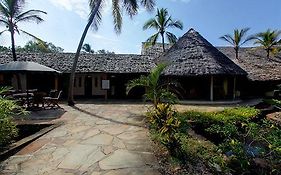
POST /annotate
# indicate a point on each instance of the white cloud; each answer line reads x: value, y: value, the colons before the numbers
x: 80, y: 7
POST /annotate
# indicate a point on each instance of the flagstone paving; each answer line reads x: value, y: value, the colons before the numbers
x: 94, y: 140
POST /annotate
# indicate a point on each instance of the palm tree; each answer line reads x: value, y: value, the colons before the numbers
x: 161, y: 23
x: 11, y: 14
x: 237, y: 39
x: 87, y: 48
x: 157, y: 91
x: 95, y: 17
x: 269, y: 40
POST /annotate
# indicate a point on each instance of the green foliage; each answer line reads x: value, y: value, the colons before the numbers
x: 161, y: 23
x: 8, y: 108
x: 273, y: 102
x: 269, y: 40
x: 39, y: 47
x: 12, y: 14
x: 237, y: 39
x: 156, y: 90
x: 196, y: 149
x: 164, y: 120
x: 231, y: 115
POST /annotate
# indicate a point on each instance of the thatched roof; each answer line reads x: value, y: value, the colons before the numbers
x: 193, y: 55
x: 255, y: 63
x: 109, y: 63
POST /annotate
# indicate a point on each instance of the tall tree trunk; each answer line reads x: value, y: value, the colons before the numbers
x: 13, y: 45
x: 237, y: 53
x: 163, y: 41
x: 73, y: 69
x: 268, y: 52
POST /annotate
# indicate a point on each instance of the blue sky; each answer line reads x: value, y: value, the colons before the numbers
x: 66, y: 20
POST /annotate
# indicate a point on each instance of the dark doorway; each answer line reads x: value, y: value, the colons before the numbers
x: 88, y: 86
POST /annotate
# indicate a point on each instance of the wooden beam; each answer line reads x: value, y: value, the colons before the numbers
x: 212, y: 89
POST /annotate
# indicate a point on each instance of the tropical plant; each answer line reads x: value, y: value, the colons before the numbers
x: 88, y: 48
x: 237, y: 39
x: 161, y: 23
x: 269, y: 40
x: 11, y: 14
x: 130, y: 6
x: 8, y: 108
x: 156, y: 90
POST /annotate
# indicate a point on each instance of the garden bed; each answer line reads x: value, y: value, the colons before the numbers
x: 236, y: 140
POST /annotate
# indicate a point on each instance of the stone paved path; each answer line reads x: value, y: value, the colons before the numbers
x: 94, y: 140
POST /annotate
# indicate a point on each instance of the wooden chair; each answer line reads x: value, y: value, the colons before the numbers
x: 53, y: 101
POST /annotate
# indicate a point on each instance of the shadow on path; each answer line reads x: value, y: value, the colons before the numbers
x: 108, y: 119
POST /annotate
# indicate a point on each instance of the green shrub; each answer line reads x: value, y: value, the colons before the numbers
x: 273, y: 102
x: 196, y: 149
x: 8, y: 108
x: 164, y: 119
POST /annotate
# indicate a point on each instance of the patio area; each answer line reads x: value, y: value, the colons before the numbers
x: 94, y: 139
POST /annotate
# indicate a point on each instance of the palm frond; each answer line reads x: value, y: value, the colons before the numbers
x: 171, y: 37
x: 151, y: 23
x: 131, y: 7
x: 148, y: 4
x: 152, y: 40
x: 117, y: 16
x: 30, y: 35
x: 30, y: 15
x: 228, y: 38
x: 176, y: 24
x: 3, y: 31
x: 142, y: 81
x: 98, y: 17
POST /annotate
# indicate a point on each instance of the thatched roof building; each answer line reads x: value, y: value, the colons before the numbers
x: 254, y: 61
x: 193, y: 55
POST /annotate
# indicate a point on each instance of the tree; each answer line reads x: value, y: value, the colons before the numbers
x: 102, y: 51
x: 39, y: 46
x: 95, y: 17
x: 87, y: 48
x: 237, y: 39
x: 269, y: 39
x: 161, y: 23
x: 156, y: 90
x: 11, y: 14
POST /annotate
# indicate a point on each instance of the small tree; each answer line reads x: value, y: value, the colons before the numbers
x: 269, y: 40
x: 162, y: 22
x: 156, y: 90
x: 237, y: 39
x: 88, y: 48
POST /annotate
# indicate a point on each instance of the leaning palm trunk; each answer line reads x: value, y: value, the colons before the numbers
x: 13, y: 46
x: 75, y: 61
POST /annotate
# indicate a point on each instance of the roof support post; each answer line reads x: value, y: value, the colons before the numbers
x: 234, y: 88
x: 212, y: 89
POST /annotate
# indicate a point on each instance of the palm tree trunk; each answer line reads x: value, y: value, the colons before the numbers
x: 237, y: 53
x: 13, y: 45
x: 163, y: 41
x: 267, y: 50
x: 73, y: 69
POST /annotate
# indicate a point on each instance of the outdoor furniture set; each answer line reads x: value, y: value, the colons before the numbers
x: 34, y: 99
